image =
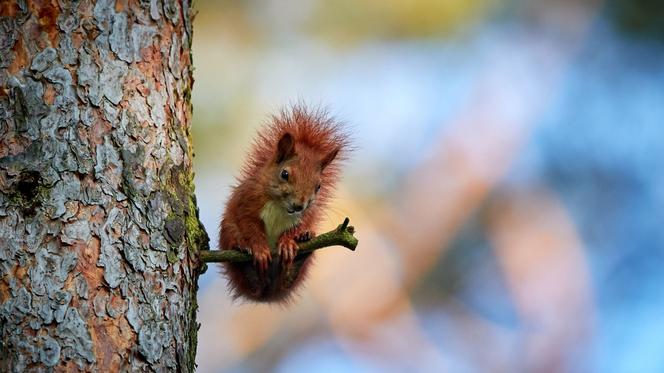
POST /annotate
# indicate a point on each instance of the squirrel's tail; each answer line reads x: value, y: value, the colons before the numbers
x: 277, y: 285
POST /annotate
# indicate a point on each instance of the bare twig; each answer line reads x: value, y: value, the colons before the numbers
x: 342, y: 236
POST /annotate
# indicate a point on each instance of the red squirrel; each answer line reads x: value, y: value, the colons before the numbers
x: 285, y: 183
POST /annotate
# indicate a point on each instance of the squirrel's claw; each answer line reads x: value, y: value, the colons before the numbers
x: 262, y: 259
x: 287, y: 250
x: 305, y: 236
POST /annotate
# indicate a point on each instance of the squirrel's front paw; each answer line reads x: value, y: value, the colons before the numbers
x: 305, y: 236
x: 287, y: 249
x: 262, y: 258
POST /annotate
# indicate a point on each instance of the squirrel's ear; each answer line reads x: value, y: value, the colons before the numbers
x: 285, y: 148
x: 329, y: 158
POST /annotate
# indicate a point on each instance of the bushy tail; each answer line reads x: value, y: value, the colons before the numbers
x: 277, y: 285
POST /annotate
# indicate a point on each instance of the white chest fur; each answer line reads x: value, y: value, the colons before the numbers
x: 277, y: 220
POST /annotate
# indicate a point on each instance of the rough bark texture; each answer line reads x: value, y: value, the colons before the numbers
x: 99, y: 231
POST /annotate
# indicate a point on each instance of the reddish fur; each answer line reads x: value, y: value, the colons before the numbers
x: 316, y: 137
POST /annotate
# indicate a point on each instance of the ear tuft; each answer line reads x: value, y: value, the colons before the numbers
x: 329, y: 158
x: 285, y: 148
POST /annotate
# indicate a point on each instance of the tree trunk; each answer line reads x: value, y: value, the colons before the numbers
x: 99, y: 233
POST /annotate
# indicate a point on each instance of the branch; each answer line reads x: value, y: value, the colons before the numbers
x: 342, y: 236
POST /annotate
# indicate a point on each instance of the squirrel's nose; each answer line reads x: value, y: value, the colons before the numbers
x: 298, y: 208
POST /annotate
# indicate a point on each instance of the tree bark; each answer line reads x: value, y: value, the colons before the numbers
x: 99, y: 229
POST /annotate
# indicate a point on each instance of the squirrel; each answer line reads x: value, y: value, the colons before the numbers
x: 285, y: 184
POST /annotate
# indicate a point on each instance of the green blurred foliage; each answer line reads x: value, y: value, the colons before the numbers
x: 346, y: 20
x: 644, y: 18
x: 349, y: 20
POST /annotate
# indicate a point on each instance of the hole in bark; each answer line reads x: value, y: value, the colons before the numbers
x: 26, y: 190
x: 27, y: 185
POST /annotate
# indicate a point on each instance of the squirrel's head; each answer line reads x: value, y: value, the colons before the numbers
x: 295, y: 174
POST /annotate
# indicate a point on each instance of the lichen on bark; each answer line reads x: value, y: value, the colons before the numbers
x: 99, y: 229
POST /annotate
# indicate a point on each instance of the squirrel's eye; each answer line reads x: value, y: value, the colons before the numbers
x: 317, y: 188
x: 284, y: 175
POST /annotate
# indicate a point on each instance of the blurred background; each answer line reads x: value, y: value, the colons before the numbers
x: 507, y: 189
